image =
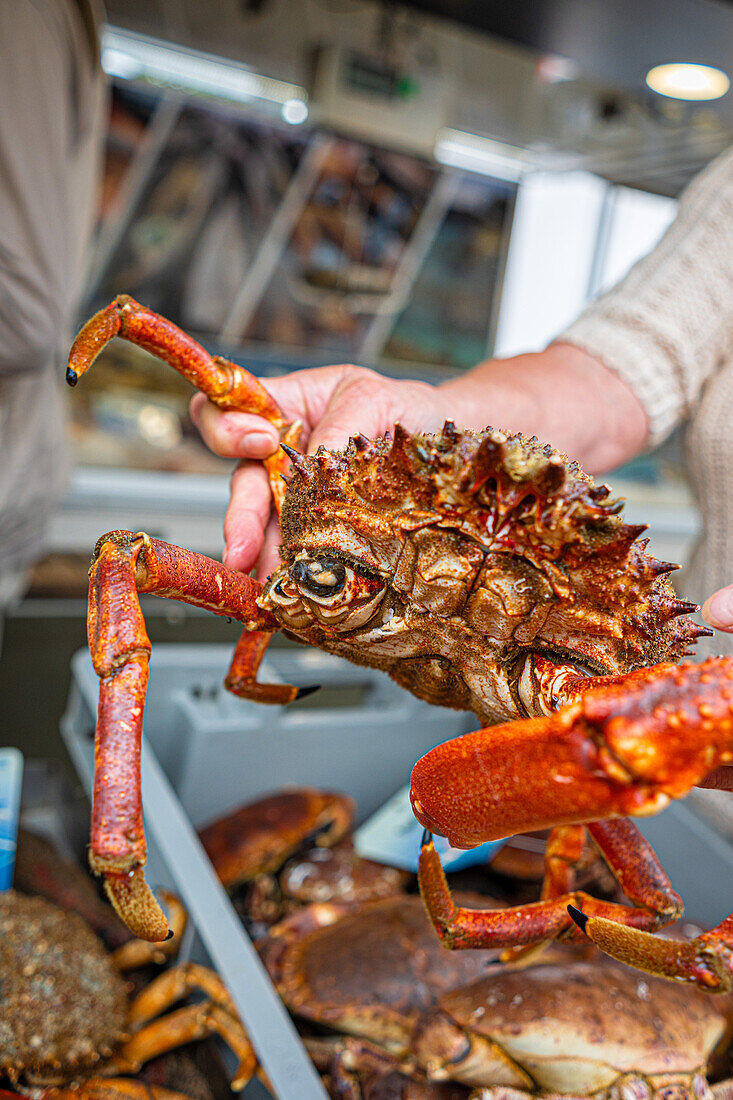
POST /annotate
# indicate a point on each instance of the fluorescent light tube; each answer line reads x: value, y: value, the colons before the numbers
x: 459, y: 149
x: 132, y: 56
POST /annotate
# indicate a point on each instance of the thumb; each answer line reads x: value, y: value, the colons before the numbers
x: 362, y: 404
x: 718, y: 609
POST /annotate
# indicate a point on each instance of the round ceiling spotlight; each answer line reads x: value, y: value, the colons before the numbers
x: 294, y: 111
x: 684, y: 81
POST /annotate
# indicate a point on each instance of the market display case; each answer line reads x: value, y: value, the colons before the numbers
x: 283, y: 247
x: 278, y: 248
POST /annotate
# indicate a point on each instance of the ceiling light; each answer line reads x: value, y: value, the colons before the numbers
x: 553, y: 69
x: 479, y: 154
x: 294, y: 111
x: 682, y: 81
x: 131, y: 56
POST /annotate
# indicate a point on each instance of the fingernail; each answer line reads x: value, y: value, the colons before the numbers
x: 260, y: 444
x: 234, y: 556
x: 718, y: 609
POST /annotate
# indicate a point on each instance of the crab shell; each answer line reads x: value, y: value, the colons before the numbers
x: 258, y: 837
x: 447, y: 560
x: 52, y: 968
x: 587, y: 1028
x: 567, y: 1024
x: 369, y: 971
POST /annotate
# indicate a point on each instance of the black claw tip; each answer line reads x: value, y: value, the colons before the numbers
x: 169, y: 935
x: 580, y: 918
x: 302, y: 692
x: 71, y: 377
x: 427, y: 838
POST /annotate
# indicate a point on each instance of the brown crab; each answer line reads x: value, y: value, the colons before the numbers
x: 66, y: 1017
x: 480, y: 570
x: 570, y: 1025
x: 290, y: 848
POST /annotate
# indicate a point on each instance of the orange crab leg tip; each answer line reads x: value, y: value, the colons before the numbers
x: 679, y: 960
x: 71, y: 377
x: 135, y: 904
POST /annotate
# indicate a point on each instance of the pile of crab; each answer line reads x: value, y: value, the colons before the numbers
x: 387, y: 1014
x: 384, y: 1011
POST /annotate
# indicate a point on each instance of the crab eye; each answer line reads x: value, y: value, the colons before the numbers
x: 321, y: 577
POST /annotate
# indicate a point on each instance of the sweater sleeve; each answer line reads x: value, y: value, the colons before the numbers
x: 666, y: 326
x: 52, y: 97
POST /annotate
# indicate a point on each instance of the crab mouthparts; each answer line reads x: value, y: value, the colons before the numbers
x: 543, y: 685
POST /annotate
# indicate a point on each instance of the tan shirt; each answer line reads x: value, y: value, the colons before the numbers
x: 667, y: 330
x: 51, y: 125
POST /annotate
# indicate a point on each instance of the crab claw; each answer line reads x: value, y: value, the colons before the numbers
x: 136, y: 905
x: 707, y: 960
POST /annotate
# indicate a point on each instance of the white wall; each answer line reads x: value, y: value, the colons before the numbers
x: 637, y: 221
x: 550, y: 259
x: 574, y: 235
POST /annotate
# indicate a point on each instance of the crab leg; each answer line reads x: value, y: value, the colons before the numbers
x: 216, y: 1014
x: 184, y: 1026
x: 226, y: 384
x: 229, y: 386
x: 171, y: 986
x: 241, y: 679
x: 538, y: 922
x: 109, y: 1088
x: 707, y: 960
x: 563, y: 851
x: 625, y: 748
x: 136, y: 954
x: 345, y: 1059
x: 124, y: 565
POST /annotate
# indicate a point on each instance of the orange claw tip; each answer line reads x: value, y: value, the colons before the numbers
x: 71, y: 377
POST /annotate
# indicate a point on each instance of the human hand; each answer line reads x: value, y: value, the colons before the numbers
x: 718, y: 609
x: 333, y: 403
x: 718, y: 612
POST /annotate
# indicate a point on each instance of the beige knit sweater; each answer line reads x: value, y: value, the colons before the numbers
x: 667, y: 330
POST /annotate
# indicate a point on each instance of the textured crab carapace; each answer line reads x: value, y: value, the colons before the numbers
x: 65, y: 1010
x: 482, y: 571
x: 470, y: 566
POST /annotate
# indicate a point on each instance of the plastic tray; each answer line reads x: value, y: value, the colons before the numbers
x: 206, y: 752
x: 360, y: 734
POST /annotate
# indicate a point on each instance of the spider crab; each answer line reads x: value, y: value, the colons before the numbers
x: 482, y: 571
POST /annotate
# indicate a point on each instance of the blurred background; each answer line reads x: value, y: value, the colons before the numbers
x: 410, y: 186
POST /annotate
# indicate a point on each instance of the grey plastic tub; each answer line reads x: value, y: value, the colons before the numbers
x: 207, y: 752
